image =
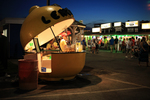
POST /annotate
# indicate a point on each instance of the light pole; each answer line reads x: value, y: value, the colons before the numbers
x: 48, y: 2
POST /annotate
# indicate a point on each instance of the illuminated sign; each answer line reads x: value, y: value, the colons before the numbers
x: 132, y: 24
x: 97, y: 29
x: 145, y: 25
x: 107, y: 25
x: 116, y: 24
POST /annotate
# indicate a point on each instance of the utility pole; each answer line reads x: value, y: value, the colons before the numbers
x: 48, y: 2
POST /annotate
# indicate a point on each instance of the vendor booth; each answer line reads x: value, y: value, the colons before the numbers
x: 42, y: 25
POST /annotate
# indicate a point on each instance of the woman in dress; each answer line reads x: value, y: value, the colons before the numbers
x: 143, y: 55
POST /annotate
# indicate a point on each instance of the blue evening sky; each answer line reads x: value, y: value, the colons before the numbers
x: 90, y: 11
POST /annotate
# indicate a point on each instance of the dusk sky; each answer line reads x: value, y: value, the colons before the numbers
x: 90, y: 11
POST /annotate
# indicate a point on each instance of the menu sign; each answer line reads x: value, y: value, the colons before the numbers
x: 107, y: 25
x: 97, y: 29
x: 116, y: 24
x: 132, y: 24
x: 145, y: 25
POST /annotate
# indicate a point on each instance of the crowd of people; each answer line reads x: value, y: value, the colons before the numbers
x: 138, y: 48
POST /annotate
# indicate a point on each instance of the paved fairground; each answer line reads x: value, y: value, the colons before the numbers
x: 105, y: 76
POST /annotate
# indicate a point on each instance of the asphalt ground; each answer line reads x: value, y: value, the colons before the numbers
x: 105, y: 76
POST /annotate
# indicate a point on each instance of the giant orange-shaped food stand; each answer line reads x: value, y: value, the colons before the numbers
x: 42, y: 24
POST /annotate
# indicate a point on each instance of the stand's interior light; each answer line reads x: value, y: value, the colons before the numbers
x: 38, y: 23
x: 47, y: 34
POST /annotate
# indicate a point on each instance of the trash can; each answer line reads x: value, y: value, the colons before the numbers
x: 28, y: 74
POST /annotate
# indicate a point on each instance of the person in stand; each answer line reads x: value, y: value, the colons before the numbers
x: 63, y: 44
x: 111, y: 44
x: 116, y: 43
x: 143, y: 55
x: 60, y: 37
x: 49, y: 45
x: 52, y: 45
x: 55, y: 45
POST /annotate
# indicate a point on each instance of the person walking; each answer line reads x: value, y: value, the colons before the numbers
x: 63, y: 44
x: 120, y: 44
x: 129, y: 48
x: 138, y: 42
x: 100, y: 42
x: 111, y: 41
x: 133, y: 43
x: 123, y: 46
x: 97, y: 47
x: 84, y: 44
x: 116, y: 43
x: 93, y: 46
x: 105, y: 43
x: 89, y: 46
x: 143, y: 54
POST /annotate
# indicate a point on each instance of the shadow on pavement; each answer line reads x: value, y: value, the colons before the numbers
x: 78, y: 82
x: 11, y: 89
x: 83, y: 79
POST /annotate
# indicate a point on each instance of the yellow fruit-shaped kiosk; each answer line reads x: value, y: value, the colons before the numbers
x: 40, y: 26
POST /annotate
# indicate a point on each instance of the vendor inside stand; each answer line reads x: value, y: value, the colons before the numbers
x: 65, y: 47
x: 52, y: 45
x: 63, y: 43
